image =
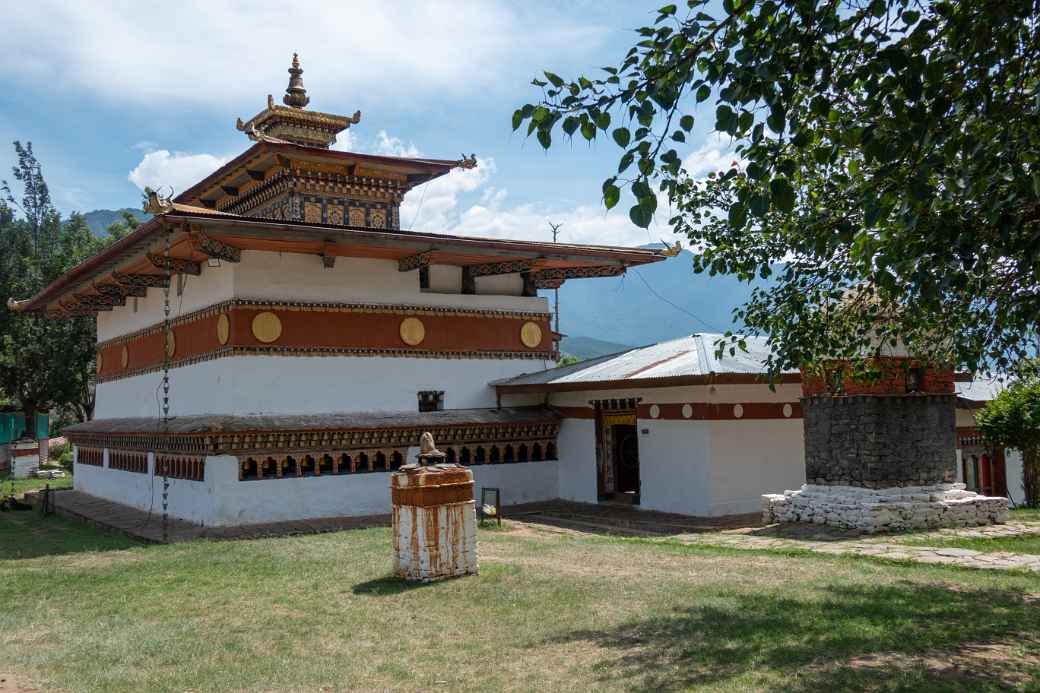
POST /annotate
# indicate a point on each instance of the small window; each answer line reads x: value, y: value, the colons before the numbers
x: 424, y: 278
x: 181, y: 279
x: 431, y: 400
x: 914, y: 379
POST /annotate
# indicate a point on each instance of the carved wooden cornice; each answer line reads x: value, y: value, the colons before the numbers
x: 146, y: 281
x: 121, y: 290
x: 98, y: 301
x: 414, y: 262
x: 553, y: 278
x: 176, y: 265
x: 215, y: 248
x: 493, y: 268
x: 275, y: 441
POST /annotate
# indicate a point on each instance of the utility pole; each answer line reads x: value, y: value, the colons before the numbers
x: 556, y: 292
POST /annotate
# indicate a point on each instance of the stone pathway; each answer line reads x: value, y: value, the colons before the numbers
x: 815, y: 539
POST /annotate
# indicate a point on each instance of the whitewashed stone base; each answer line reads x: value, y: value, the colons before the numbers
x: 25, y: 458
x: 432, y: 543
x: 885, y: 510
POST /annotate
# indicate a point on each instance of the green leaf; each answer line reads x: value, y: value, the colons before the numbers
x: 570, y: 124
x: 603, y: 120
x: 611, y: 195
x: 545, y: 138
x: 640, y: 216
x: 555, y: 79
x: 518, y: 118
x: 622, y: 136
x: 703, y: 92
x: 782, y: 193
x: 686, y: 122
x: 626, y: 161
x: 725, y: 119
x: 737, y: 215
x: 540, y: 114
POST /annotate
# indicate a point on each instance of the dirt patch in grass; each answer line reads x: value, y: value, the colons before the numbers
x: 1010, y: 662
x: 16, y: 683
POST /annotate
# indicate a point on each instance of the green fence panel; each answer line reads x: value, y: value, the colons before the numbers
x: 43, y: 426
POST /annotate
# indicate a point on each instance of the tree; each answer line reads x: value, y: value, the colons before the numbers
x: 1012, y: 419
x: 886, y: 146
x: 44, y: 363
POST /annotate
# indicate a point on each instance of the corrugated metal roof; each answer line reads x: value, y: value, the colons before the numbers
x: 687, y: 356
x: 982, y: 389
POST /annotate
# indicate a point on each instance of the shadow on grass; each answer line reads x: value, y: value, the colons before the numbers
x: 895, y: 637
x: 386, y: 586
x: 28, y: 534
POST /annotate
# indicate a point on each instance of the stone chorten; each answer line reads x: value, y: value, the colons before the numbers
x: 881, y: 455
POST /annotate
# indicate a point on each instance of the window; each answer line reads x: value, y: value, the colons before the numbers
x: 914, y: 379
x: 431, y: 400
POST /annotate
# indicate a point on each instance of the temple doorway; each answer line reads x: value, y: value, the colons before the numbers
x: 626, y: 463
x: 617, y: 451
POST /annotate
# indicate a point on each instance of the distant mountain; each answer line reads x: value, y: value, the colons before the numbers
x: 589, y: 348
x: 636, y: 308
x: 101, y: 219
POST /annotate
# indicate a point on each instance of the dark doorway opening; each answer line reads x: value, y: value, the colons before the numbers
x: 626, y: 463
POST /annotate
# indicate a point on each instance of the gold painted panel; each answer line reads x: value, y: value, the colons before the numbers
x: 531, y: 335
x: 267, y: 327
x: 312, y: 212
x: 413, y: 332
x: 223, y: 328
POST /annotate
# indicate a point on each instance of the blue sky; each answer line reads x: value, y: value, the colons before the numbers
x: 120, y: 94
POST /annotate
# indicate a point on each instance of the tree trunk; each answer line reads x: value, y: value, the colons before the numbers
x: 1031, y: 476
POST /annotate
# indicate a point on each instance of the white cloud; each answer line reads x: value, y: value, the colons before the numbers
x: 394, y: 146
x: 716, y: 154
x: 462, y: 202
x: 162, y: 170
x: 218, y: 53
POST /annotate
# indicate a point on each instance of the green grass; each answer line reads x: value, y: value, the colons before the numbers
x: 548, y: 612
x: 1025, y: 515
x: 1021, y: 544
x: 21, y: 486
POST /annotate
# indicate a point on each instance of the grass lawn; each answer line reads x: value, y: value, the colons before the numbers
x: 1029, y: 543
x: 21, y: 486
x: 549, y: 611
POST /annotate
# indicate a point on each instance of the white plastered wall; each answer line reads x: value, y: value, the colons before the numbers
x: 222, y: 500
x: 693, y: 467
x: 241, y: 385
x: 306, y: 385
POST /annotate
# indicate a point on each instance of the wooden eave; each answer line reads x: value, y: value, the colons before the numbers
x: 130, y: 254
x: 673, y: 381
x: 263, y: 156
x: 641, y: 383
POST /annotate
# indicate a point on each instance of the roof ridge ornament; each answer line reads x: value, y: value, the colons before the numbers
x: 295, y: 93
x: 156, y: 203
x: 293, y: 123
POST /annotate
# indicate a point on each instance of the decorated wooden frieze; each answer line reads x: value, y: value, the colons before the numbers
x: 243, y: 327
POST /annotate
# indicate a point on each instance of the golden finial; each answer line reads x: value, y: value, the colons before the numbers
x: 295, y: 94
x: 670, y: 251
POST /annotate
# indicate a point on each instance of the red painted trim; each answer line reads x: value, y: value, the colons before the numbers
x: 26, y: 452
x: 704, y: 411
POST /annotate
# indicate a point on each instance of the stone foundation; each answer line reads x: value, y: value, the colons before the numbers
x: 885, y: 510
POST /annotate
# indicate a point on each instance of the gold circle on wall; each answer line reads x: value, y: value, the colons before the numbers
x: 124, y: 356
x: 413, y: 332
x: 171, y: 344
x: 267, y: 327
x: 531, y: 335
x: 223, y: 329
